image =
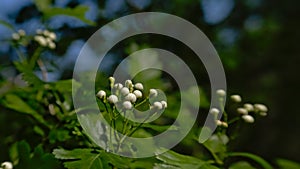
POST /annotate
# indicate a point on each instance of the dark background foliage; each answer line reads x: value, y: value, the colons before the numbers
x: 256, y: 40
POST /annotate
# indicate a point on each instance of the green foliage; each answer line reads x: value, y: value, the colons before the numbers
x: 287, y: 164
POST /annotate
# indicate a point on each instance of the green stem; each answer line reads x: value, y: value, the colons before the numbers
x: 253, y: 157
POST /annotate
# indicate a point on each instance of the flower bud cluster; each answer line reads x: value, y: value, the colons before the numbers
x: 128, y: 95
x: 45, y: 38
x: 18, y: 35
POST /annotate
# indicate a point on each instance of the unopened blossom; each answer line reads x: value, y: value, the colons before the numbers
x: 214, y: 111
x: 221, y: 92
x: 138, y: 93
x: 111, y: 81
x: 21, y: 32
x: 131, y: 97
x: 41, y: 40
x: 249, y: 107
x: 236, y: 98
x: 127, y: 105
x: 128, y: 83
x: 139, y: 86
x: 260, y: 107
x: 118, y: 86
x: 248, y: 119
x: 219, y: 122
x: 7, y: 165
x: 112, y: 99
x: 15, y: 36
x: 157, y: 105
x: 164, y: 104
x: 224, y: 124
x: 101, y: 94
x: 52, y: 35
x: 242, y: 111
x: 51, y: 45
x: 124, y: 91
x: 153, y: 92
x: 263, y: 113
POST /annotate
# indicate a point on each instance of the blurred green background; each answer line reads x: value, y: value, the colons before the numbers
x: 257, y: 41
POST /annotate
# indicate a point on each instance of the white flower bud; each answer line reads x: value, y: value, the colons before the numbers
x: 118, y: 86
x: 221, y: 92
x: 128, y: 83
x: 219, y: 122
x: 153, y: 92
x: 7, y: 165
x: 127, y: 105
x: 46, y: 32
x: 236, y: 98
x: 112, y: 99
x: 15, y: 36
x: 164, y: 104
x: 124, y: 91
x: 111, y: 81
x: 52, y: 36
x: 214, y: 111
x: 139, y: 86
x: 248, y: 119
x: 21, y: 32
x: 242, y: 111
x: 260, y: 107
x: 131, y: 97
x: 224, y: 124
x: 51, y: 45
x: 138, y: 93
x: 39, y: 31
x: 249, y: 107
x: 263, y: 113
x: 157, y: 105
x: 101, y: 94
x: 41, y: 40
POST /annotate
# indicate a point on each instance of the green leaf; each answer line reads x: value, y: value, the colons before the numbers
x: 28, y: 74
x: 287, y: 164
x: 178, y: 160
x: 253, y: 157
x: 16, y: 103
x: 241, y: 164
x: 82, y: 158
x: 217, y: 143
x: 77, y: 12
x: 159, y: 128
x: 6, y: 24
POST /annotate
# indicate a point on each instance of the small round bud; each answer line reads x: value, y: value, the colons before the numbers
x: 236, y: 98
x: 224, y: 124
x: 112, y: 99
x: 111, y: 81
x: 124, y: 91
x: 127, y: 105
x: 249, y: 107
x: 41, y: 40
x: 39, y: 31
x: 248, y: 119
x: 128, y: 83
x: 52, y: 36
x: 138, y: 93
x: 260, y: 107
x: 219, y: 122
x: 21, y: 32
x: 221, y: 92
x: 101, y: 94
x: 7, y: 165
x: 46, y: 32
x: 51, y: 45
x: 164, y: 104
x: 214, y: 111
x: 139, y: 86
x: 15, y: 36
x: 157, y: 105
x: 242, y: 111
x: 263, y: 113
x: 118, y: 86
x: 153, y: 92
x: 131, y: 97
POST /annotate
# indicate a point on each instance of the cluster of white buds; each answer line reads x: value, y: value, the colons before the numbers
x: 45, y: 38
x: 215, y: 112
x: 6, y: 165
x: 221, y: 123
x: 247, y: 108
x: 18, y: 35
x: 128, y: 94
